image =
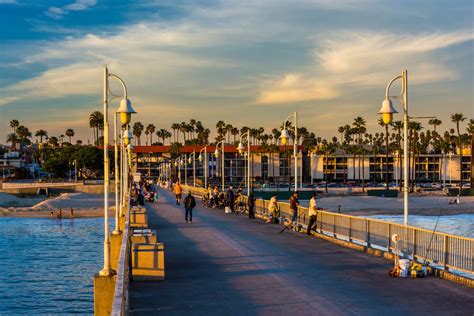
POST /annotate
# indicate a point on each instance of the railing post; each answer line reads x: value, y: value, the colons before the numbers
x: 367, y: 233
x: 334, y: 225
x: 350, y: 229
x: 389, y: 226
x: 413, y: 244
x: 445, y: 252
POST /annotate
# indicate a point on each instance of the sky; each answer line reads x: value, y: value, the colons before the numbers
x: 248, y: 63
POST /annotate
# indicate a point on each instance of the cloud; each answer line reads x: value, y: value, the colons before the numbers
x: 78, y: 5
x: 361, y: 58
x: 296, y: 88
x: 8, y: 1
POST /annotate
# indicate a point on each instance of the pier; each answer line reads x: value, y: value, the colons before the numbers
x: 226, y: 263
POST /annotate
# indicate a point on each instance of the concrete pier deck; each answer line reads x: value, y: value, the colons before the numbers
x: 226, y: 264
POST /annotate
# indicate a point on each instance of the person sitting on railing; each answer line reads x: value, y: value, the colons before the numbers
x: 313, y: 213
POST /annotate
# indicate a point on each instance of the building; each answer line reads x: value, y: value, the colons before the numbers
x: 277, y: 167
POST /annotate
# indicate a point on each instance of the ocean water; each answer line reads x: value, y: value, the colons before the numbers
x: 47, y: 265
x: 461, y: 225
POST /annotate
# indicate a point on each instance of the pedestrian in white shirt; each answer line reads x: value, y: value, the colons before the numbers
x: 313, y: 213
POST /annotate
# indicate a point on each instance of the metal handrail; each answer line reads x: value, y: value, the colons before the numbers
x: 120, y: 300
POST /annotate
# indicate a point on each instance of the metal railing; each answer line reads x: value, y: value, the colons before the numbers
x: 120, y: 300
x: 446, y: 250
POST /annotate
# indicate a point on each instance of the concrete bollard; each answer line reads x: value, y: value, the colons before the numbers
x: 139, y: 218
x: 143, y: 236
x: 148, y: 262
x: 104, y: 288
x: 115, y: 245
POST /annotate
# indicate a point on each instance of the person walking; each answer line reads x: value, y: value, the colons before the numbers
x: 251, y: 205
x: 294, y: 203
x: 189, y: 204
x: 313, y: 213
x: 273, y: 210
x: 230, y: 198
x: 177, y: 191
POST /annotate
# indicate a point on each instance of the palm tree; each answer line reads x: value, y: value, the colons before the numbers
x: 183, y: 128
x: 41, y: 133
x: 192, y: 127
x: 175, y: 128
x: 70, y: 133
x: 13, y: 139
x: 137, y: 132
x: 235, y: 131
x: 14, y: 125
x: 23, y: 134
x: 151, y: 130
x: 328, y: 150
x: 457, y: 118
x: 96, y: 121
x: 435, y: 122
x: 53, y: 141
x: 341, y: 131
x: 359, y: 129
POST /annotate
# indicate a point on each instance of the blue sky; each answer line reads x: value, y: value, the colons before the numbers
x: 246, y: 62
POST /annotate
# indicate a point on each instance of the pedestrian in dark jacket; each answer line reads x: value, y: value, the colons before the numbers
x: 189, y: 204
x: 230, y: 198
x: 251, y: 205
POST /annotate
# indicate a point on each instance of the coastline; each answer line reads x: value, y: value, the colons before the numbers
x: 78, y: 213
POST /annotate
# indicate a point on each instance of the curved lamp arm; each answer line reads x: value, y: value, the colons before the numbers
x: 122, y: 82
x: 387, y: 90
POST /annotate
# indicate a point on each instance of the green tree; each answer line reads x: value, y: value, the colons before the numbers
x: 14, y: 125
x: 41, y: 133
x: 175, y: 150
x: 137, y: 130
x: 70, y: 133
x: 96, y: 122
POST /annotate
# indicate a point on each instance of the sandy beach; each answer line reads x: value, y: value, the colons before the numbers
x: 84, y: 205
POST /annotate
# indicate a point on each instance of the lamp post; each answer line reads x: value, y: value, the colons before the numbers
x: 216, y: 154
x: 127, y: 138
x: 284, y: 138
x: 241, y: 149
x: 450, y: 154
x: 194, y: 166
x: 126, y: 115
x: 387, y: 112
x: 206, y: 164
x: 185, y: 163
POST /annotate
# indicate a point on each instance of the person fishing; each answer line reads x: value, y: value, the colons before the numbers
x: 313, y: 213
x: 294, y: 203
x: 251, y: 205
